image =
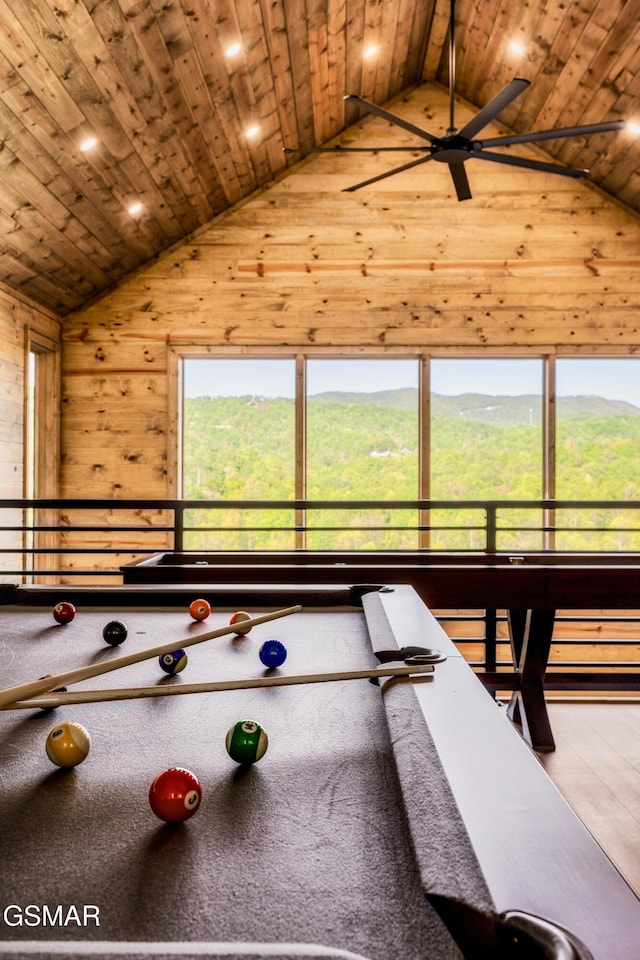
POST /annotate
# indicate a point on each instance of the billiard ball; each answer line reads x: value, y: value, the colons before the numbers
x: 173, y: 662
x: 272, y: 653
x: 236, y: 620
x: 175, y: 795
x: 199, y: 609
x: 115, y: 632
x: 246, y: 741
x: 68, y: 744
x: 57, y: 690
x: 64, y: 612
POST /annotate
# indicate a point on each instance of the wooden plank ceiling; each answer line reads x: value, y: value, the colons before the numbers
x: 186, y: 126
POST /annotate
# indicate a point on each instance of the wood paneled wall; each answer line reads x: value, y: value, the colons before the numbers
x: 532, y: 263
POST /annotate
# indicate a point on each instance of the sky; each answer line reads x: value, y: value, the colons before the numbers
x: 614, y: 379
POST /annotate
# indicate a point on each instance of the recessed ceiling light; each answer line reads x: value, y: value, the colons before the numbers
x: 233, y: 50
x: 371, y: 51
x: 252, y: 132
x: 89, y: 144
x: 516, y: 47
x: 633, y: 128
x: 135, y: 208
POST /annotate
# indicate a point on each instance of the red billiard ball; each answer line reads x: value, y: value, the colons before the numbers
x: 200, y: 609
x: 236, y: 621
x: 175, y: 795
x: 64, y: 612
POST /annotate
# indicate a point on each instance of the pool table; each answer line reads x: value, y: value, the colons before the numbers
x: 402, y: 820
x: 531, y: 588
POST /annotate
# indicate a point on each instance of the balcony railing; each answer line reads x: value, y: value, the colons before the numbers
x: 93, y: 538
x: 89, y: 541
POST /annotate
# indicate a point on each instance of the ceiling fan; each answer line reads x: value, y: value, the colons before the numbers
x: 458, y: 146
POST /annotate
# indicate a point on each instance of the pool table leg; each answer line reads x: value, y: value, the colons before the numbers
x: 530, y: 632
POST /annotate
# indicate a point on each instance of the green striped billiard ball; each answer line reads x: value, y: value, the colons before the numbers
x: 246, y: 741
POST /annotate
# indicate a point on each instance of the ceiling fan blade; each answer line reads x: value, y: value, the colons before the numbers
x: 389, y: 173
x: 585, y: 130
x: 391, y: 117
x: 305, y: 151
x: 530, y: 164
x: 495, y: 106
x: 460, y: 181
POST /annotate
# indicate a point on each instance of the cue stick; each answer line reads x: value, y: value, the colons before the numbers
x: 46, y: 684
x: 215, y: 686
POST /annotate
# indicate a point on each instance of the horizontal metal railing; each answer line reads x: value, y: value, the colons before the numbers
x: 90, y: 540
x: 27, y: 527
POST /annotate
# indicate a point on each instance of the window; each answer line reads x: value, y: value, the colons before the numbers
x: 238, y: 443
x: 362, y: 444
x: 597, y: 450
x: 486, y: 443
x: 41, y: 443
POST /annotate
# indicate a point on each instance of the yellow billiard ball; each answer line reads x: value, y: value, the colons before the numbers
x: 68, y: 744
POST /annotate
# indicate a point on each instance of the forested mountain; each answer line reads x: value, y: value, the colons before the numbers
x: 365, y: 447
x: 490, y: 409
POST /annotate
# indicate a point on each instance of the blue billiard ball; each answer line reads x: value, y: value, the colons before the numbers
x: 173, y: 662
x: 273, y: 653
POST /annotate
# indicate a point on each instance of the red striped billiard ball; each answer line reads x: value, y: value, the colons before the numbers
x: 175, y: 795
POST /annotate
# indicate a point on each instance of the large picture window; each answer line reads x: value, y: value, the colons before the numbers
x: 402, y: 428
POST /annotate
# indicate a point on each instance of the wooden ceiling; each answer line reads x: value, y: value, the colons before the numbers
x: 171, y: 111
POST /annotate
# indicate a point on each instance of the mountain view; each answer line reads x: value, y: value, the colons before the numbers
x: 364, y: 446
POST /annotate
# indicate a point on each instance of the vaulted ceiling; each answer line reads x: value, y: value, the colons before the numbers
x: 186, y: 126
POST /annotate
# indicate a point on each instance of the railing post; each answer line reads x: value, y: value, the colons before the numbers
x: 491, y: 532
x: 178, y: 527
x: 490, y: 639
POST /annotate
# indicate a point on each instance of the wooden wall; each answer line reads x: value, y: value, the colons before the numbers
x: 532, y: 263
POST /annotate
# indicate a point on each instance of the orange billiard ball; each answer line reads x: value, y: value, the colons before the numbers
x: 200, y: 609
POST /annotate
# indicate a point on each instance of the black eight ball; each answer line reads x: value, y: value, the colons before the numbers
x: 115, y: 632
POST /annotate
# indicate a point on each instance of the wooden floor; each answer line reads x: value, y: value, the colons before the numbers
x: 596, y: 766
